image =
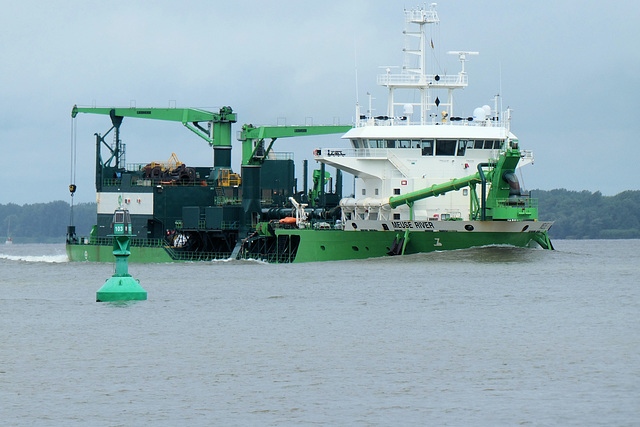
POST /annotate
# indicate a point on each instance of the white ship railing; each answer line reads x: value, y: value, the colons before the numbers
x: 380, y: 153
x: 416, y: 80
x: 435, y: 119
x: 527, y: 155
x: 389, y: 154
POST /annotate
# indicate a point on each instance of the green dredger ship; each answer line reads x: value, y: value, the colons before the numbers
x: 425, y: 180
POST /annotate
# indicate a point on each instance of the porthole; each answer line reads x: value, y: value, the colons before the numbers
x: 525, y: 228
x: 355, y: 248
x: 323, y: 248
x: 468, y: 227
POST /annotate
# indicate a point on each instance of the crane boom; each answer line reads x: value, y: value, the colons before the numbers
x: 218, y: 134
x: 252, y: 137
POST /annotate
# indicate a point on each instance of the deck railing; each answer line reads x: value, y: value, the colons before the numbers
x: 108, y: 241
x: 518, y: 202
x: 116, y: 182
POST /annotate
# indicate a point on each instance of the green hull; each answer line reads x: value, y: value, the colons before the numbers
x: 329, y: 245
x: 104, y: 253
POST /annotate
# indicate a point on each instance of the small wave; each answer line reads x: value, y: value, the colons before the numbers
x: 36, y: 258
x: 241, y: 261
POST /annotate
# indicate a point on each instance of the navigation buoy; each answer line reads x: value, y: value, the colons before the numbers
x: 121, y: 286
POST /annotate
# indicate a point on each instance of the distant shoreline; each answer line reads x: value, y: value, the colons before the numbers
x: 578, y: 215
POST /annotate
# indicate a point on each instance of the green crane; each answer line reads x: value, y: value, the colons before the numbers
x: 217, y: 131
x: 254, y: 153
x: 253, y: 150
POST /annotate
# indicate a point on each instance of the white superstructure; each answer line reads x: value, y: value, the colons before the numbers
x: 418, y: 144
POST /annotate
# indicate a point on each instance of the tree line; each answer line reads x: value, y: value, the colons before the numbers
x: 44, y: 222
x: 586, y: 215
x: 577, y: 215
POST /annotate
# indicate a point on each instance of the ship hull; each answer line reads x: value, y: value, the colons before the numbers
x: 292, y: 245
x: 104, y: 253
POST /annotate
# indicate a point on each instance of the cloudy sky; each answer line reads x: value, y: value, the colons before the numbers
x: 568, y: 69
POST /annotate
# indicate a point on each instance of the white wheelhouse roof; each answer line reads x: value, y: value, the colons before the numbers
x: 428, y: 132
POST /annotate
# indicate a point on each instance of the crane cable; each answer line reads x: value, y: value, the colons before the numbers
x: 72, y: 178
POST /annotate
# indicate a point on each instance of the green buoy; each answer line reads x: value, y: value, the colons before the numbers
x: 121, y: 286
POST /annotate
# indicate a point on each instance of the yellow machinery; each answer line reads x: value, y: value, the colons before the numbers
x: 226, y: 178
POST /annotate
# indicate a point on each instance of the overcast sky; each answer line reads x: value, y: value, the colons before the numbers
x: 568, y: 69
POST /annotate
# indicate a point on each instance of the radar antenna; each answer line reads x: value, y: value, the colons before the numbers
x: 462, y: 56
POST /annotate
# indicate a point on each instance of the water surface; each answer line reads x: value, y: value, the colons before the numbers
x: 485, y: 336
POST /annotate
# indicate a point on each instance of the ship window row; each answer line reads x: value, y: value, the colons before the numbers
x: 429, y: 147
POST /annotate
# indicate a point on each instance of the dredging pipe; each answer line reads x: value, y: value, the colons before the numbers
x: 483, y: 195
x: 437, y: 189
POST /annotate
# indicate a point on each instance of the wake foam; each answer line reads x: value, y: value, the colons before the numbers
x: 36, y: 258
x: 240, y: 261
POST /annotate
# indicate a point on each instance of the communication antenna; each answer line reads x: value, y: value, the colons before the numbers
x: 355, y: 55
x: 500, y: 90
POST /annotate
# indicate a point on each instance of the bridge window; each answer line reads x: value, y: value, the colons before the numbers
x: 488, y: 144
x: 478, y: 144
x: 462, y: 147
x: 446, y: 147
x: 427, y: 147
x: 381, y: 143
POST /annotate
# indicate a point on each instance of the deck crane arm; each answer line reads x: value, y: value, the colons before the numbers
x: 217, y: 131
x: 253, y: 137
x: 218, y: 134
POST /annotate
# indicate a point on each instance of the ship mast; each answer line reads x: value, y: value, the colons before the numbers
x: 416, y: 78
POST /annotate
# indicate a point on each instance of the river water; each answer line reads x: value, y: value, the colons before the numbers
x: 485, y: 336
